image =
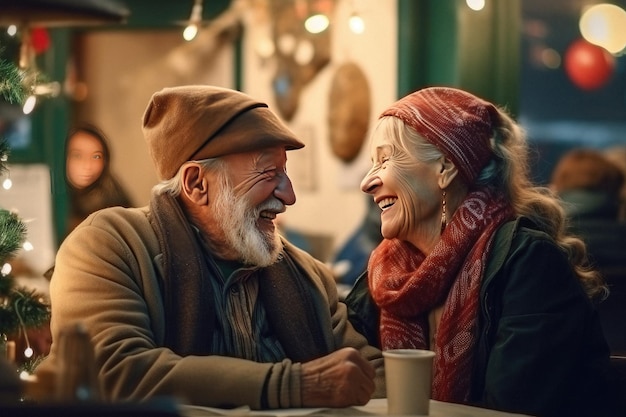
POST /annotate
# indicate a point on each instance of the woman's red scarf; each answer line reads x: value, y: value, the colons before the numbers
x: 406, y: 286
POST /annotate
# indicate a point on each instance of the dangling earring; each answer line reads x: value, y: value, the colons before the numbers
x: 444, y: 223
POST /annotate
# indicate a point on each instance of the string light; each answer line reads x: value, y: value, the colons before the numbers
x: 356, y: 24
x: 476, y: 5
x: 52, y: 89
x: 28, y: 352
x: 316, y: 23
x: 191, y: 30
x: 29, y: 104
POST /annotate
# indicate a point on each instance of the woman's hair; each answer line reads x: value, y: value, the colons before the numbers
x: 508, y: 172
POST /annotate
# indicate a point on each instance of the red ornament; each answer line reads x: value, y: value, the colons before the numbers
x: 40, y: 40
x: 589, y: 66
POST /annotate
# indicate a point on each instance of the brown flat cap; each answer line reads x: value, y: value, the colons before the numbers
x: 194, y: 122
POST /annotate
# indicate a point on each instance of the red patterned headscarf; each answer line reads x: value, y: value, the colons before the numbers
x: 458, y: 123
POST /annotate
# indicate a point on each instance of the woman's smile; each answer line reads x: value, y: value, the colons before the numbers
x: 387, y: 202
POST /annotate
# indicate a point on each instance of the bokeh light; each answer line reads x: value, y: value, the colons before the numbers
x: 356, y: 24
x: 604, y: 25
x: 476, y: 5
x: 317, y: 23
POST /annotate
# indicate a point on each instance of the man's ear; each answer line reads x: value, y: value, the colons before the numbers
x: 448, y: 171
x: 195, y: 185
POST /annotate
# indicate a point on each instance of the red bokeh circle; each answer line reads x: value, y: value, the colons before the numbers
x: 40, y: 39
x: 588, y: 66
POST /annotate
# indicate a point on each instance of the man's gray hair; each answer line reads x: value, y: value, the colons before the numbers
x: 174, y: 185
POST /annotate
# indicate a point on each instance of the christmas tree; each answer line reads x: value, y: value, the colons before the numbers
x: 20, y: 308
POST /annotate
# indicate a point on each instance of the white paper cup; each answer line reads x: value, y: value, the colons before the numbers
x: 408, y: 375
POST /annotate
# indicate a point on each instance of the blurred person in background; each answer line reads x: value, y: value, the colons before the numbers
x: 589, y: 185
x: 90, y: 182
x: 617, y: 155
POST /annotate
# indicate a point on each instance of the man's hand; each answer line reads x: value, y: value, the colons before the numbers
x: 341, y: 379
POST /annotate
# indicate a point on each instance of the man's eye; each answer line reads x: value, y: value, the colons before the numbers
x: 270, y: 173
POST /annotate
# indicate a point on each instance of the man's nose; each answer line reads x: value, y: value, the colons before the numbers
x: 284, y: 191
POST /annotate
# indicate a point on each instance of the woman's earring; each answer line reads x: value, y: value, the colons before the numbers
x: 444, y: 223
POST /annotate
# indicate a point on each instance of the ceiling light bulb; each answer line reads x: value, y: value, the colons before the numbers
x: 28, y: 352
x: 29, y: 104
x: 190, y: 32
x: 317, y: 23
x: 356, y: 23
x: 476, y: 5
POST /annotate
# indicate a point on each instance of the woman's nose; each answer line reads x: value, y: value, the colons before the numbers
x: 370, y: 183
x: 284, y: 191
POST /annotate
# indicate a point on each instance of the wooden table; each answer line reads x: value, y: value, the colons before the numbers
x: 376, y: 407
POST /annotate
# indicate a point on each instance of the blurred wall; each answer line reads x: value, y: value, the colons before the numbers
x: 329, y: 199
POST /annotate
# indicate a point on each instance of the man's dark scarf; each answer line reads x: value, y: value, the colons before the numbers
x: 188, y: 301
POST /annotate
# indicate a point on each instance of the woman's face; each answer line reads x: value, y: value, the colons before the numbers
x: 84, y: 160
x: 406, y: 190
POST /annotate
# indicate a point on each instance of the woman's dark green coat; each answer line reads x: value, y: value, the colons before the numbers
x: 541, y: 350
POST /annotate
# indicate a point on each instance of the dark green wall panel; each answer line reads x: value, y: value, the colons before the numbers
x: 443, y: 42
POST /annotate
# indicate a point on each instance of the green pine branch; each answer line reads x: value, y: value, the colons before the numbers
x: 4, y: 155
x: 12, y: 234
x: 12, y: 87
x: 20, y: 308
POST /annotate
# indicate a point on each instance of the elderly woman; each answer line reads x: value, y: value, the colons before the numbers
x: 476, y: 264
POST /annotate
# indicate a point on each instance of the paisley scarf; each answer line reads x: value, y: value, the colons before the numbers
x: 406, y: 285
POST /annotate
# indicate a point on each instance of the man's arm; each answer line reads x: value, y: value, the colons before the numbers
x: 106, y: 277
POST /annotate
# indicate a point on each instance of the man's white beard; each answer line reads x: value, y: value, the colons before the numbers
x: 238, y: 223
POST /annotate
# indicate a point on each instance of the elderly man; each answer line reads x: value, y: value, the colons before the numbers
x: 197, y: 295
